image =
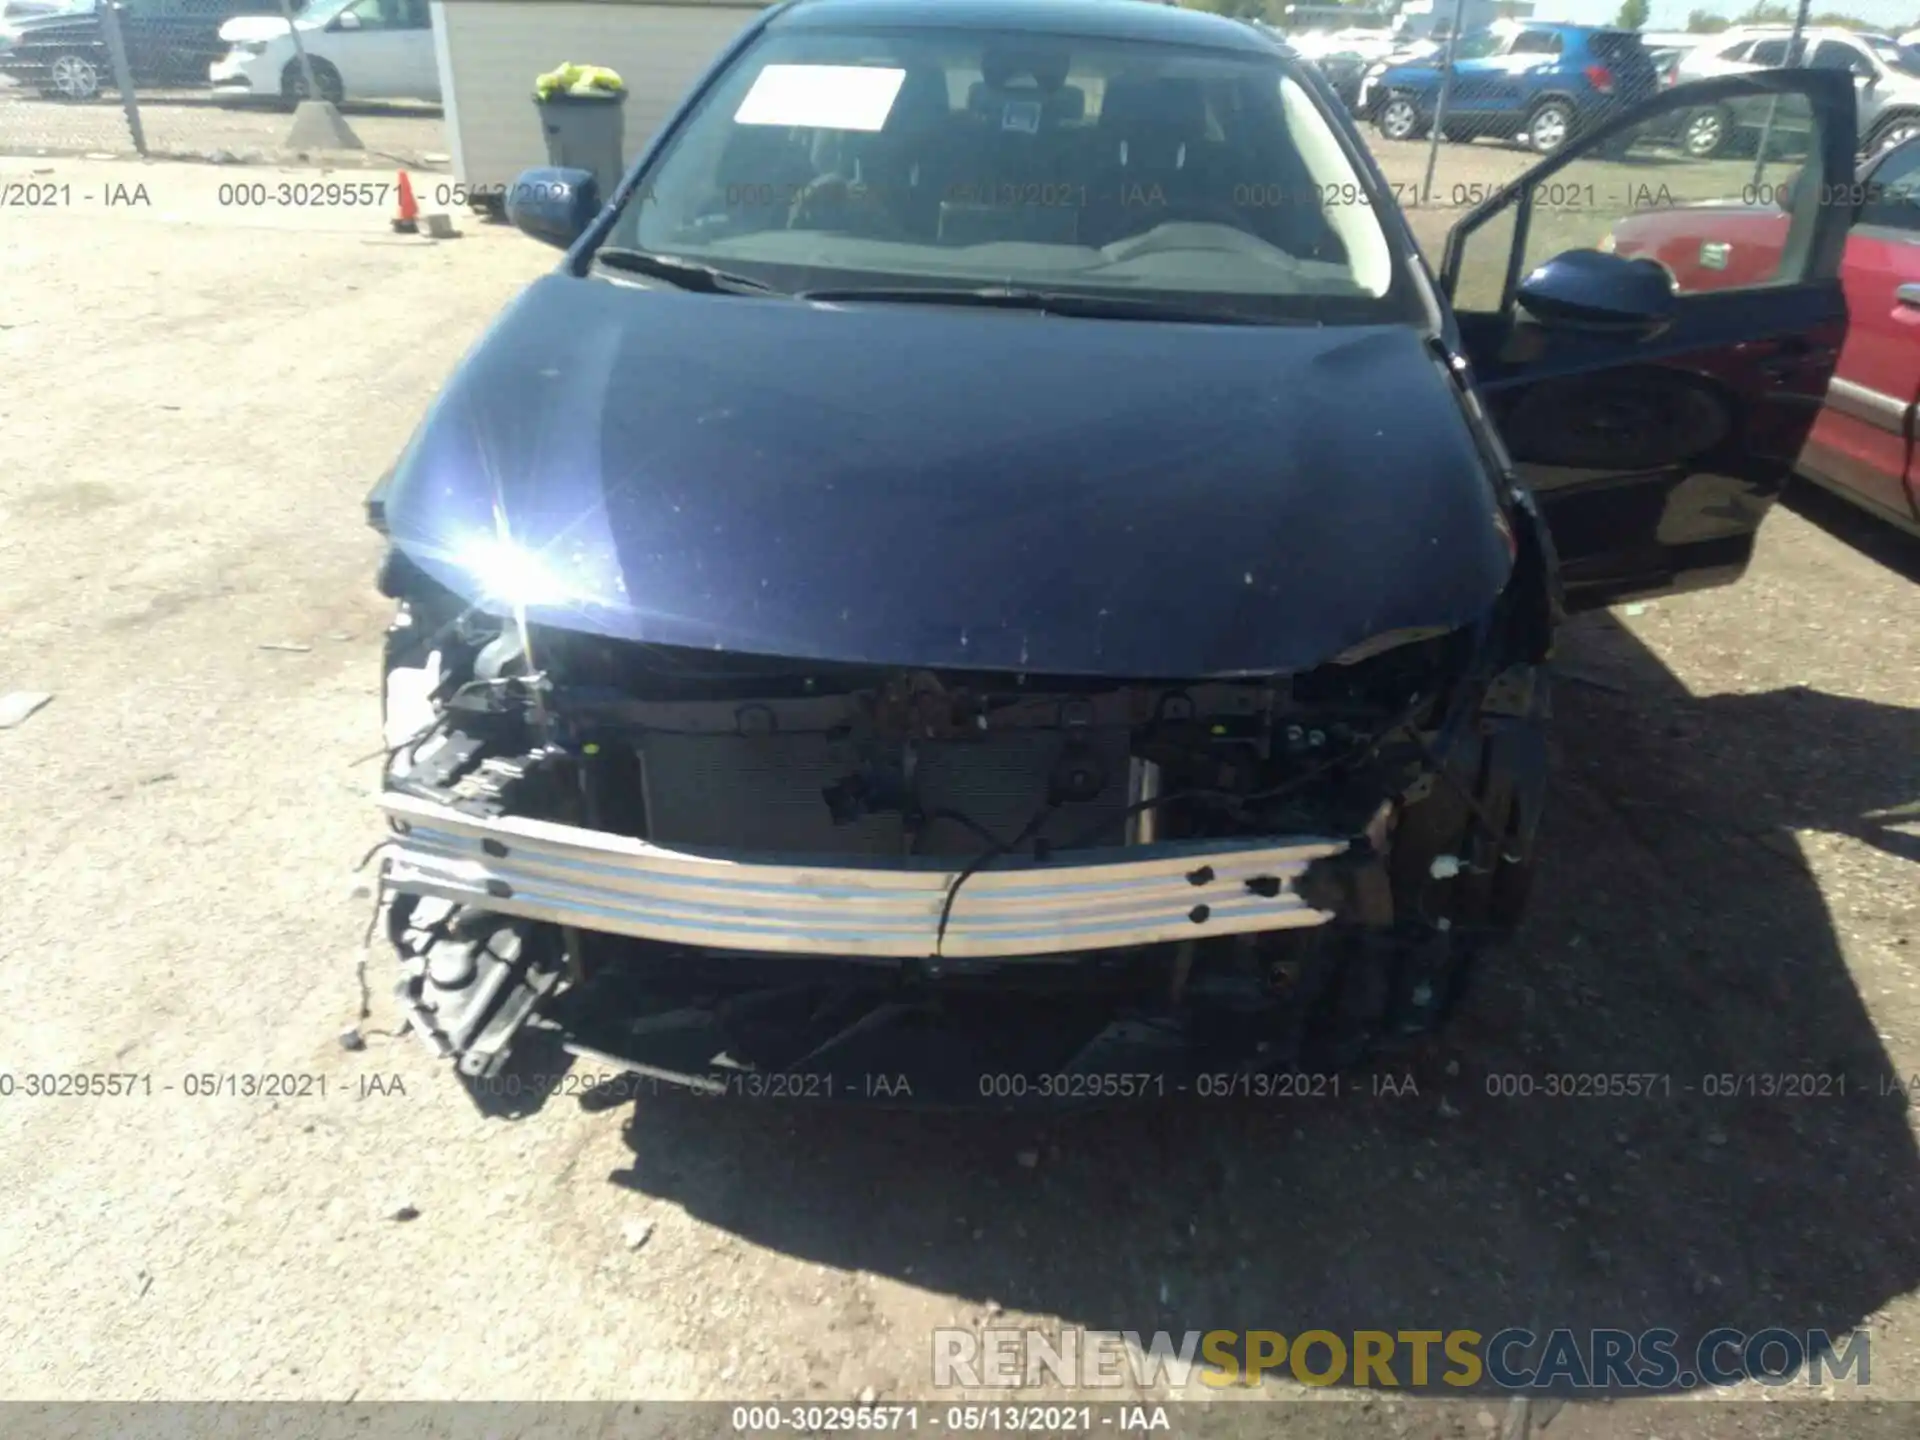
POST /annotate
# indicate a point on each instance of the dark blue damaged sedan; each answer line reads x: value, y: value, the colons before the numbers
x: 994, y: 562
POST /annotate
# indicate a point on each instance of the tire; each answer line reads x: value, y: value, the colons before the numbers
x: 1399, y: 119
x: 1380, y: 994
x: 1707, y: 133
x: 1548, y: 127
x: 1896, y: 131
x: 73, y: 75
x: 293, y: 84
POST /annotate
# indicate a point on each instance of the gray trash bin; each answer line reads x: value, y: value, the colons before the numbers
x: 585, y: 132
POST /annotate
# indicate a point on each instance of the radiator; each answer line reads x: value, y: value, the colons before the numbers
x: 764, y: 792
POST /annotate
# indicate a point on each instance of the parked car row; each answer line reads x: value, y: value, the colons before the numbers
x: 358, y: 49
x: 1344, y: 57
x: 1540, y: 83
x: 1885, y: 71
x: 1537, y: 82
x: 62, y: 51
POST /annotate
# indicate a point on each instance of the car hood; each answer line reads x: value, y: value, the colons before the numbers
x: 252, y: 28
x: 946, y: 487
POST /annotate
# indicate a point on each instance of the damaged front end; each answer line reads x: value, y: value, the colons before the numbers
x: 700, y: 865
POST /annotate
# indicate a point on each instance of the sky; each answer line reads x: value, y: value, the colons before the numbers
x: 1895, y: 15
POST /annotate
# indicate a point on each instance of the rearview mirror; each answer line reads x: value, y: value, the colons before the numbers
x: 554, y: 204
x: 1592, y: 290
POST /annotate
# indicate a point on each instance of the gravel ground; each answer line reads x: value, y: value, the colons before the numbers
x: 193, y: 416
x: 186, y: 124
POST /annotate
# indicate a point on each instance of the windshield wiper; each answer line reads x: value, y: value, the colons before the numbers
x: 1051, y: 302
x: 687, y: 274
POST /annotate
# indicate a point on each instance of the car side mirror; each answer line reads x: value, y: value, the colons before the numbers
x: 1783, y: 192
x: 554, y: 204
x: 1594, y: 291
x: 346, y: 20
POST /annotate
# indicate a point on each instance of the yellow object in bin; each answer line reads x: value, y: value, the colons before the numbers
x: 580, y: 81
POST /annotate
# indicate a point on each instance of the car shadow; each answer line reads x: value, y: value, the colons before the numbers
x: 1874, y: 538
x: 1677, y: 932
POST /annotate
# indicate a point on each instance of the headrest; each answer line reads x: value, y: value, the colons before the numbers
x: 1045, y: 66
x: 922, y: 101
x: 1162, y: 109
x: 1068, y: 103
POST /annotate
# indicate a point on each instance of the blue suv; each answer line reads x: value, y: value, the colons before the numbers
x: 1535, y: 82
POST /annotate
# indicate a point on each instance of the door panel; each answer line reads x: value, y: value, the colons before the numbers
x: 1478, y: 85
x: 1655, y: 456
x: 418, y: 76
x: 355, y: 44
x: 1525, y: 67
x: 372, y: 55
x: 1467, y: 93
x: 1862, y: 440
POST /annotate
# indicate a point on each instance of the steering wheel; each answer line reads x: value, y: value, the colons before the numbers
x: 829, y: 197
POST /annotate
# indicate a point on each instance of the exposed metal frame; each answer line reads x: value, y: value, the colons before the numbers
x: 1097, y: 899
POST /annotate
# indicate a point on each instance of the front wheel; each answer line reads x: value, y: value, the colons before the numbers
x: 1399, y: 119
x: 293, y: 84
x: 72, y: 75
x: 1896, y: 131
x: 1706, y: 133
x: 1549, y: 127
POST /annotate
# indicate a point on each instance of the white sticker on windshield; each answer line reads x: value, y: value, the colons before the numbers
x: 826, y: 97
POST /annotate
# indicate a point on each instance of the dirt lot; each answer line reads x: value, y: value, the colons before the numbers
x: 196, y: 400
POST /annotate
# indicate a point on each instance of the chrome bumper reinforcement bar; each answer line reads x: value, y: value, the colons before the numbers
x: 1086, y: 900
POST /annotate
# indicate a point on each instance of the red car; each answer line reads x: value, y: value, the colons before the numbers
x: 1862, y: 446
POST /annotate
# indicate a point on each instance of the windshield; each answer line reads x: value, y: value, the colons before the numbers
x: 1904, y: 58
x: 321, y: 11
x: 1477, y: 45
x: 952, y: 158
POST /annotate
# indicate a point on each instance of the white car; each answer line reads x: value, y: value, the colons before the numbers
x: 1369, y: 45
x: 1886, y: 72
x: 359, y: 50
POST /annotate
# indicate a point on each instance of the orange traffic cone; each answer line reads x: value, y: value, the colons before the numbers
x: 407, y: 222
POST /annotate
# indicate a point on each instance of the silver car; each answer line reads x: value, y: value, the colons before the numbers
x: 1886, y: 77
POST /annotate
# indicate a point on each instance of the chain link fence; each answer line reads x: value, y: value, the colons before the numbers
x: 219, y: 79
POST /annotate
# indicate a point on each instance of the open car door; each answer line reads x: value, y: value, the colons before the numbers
x: 1655, y: 426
